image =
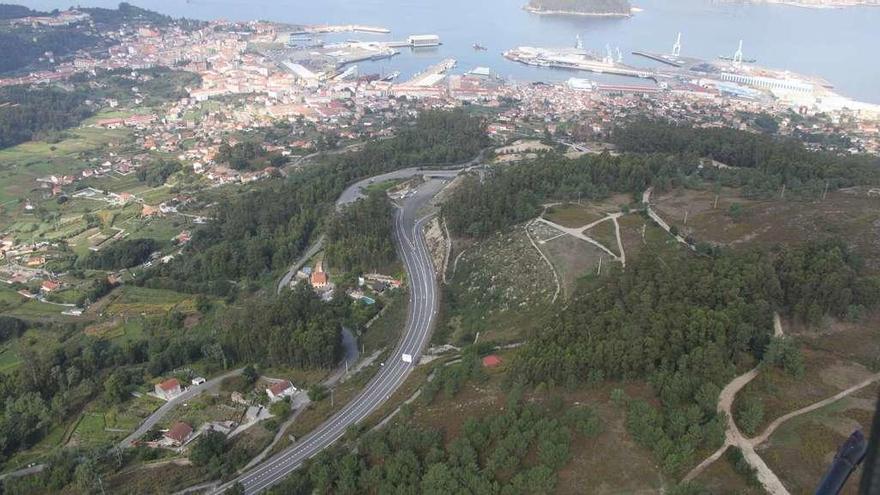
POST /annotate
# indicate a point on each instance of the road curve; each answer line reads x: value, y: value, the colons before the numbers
x: 420, y: 320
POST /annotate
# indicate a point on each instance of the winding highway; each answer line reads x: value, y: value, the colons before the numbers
x: 420, y: 320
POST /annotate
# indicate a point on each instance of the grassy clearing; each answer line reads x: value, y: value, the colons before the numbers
x: 499, y: 281
x: 9, y: 360
x: 388, y: 327
x: 780, y: 393
x: 849, y: 213
x: 858, y: 341
x: 91, y: 431
x: 720, y: 477
x: 605, y: 234
x: 610, y: 463
x: 573, y: 215
x: 572, y: 258
x: 164, y: 478
x: 36, y: 310
x: 801, y: 449
x: 381, y: 186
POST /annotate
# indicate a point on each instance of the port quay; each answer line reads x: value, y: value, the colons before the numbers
x: 312, y: 58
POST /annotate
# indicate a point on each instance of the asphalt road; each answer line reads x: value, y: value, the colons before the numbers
x: 422, y: 312
x: 165, y: 408
x: 351, y: 194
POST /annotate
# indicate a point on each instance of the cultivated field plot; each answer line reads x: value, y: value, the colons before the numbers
x: 133, y: 301
x: 21, y: 165
x: 801, y: 450
x: 203, y: 409
x: 850, y: 214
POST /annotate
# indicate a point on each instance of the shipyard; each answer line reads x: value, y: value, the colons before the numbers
x: 733, y: 75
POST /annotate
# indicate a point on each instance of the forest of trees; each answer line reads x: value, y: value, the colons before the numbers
x: 57, y: 378
x: 24, y: 45
x: 823, y: 278
x: 359, y: 237
x: 517, y: 450
x: 253, y: 233
x: 514, y: 193
x: 156, y: 173
x: 248, y: 156
x: 35, y: 113
x: 763, y: 163
x: 125, y: 253
x: 264, y: 229
x: 12, y: 11
x: 125, y: 13
x: 294, y: 328
x: 686, y: 325
x: 29, y: 113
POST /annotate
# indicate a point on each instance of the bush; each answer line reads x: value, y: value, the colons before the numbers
x: 750, y: 414
x: 783, y: 353
x: 584, y: 420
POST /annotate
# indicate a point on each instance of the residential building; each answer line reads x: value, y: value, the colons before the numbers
x: 319, y: 280
x: 280, y: 390
x: 178, y: 434
x: 168, y: 389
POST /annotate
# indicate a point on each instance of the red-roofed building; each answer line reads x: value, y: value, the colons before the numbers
x: 168, y: 389
x: 279, y: 390
x: 50, y: 285
x: 178, y: 434
x: 491, y: 361
x: 319, y: 280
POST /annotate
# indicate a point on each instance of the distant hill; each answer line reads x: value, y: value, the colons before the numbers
x: 580, y: 7
x: 10, y: 11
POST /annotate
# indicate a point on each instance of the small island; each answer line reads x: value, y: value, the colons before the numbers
x: 598, y: 8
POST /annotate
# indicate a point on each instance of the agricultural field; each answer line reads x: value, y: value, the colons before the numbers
x: 137, y: 301
x: 21, y: 165
x: 203, y: 409
x: 13, y: 304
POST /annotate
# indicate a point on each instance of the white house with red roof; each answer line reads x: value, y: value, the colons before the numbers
x: 280, y: 390
x: 168, y: 389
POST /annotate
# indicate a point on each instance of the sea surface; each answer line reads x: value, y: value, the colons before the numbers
x: 840, y: 45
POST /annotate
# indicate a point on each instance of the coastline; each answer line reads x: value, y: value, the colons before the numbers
x: 538, y: 11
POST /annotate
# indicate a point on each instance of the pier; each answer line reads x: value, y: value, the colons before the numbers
x: 432, y: 75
